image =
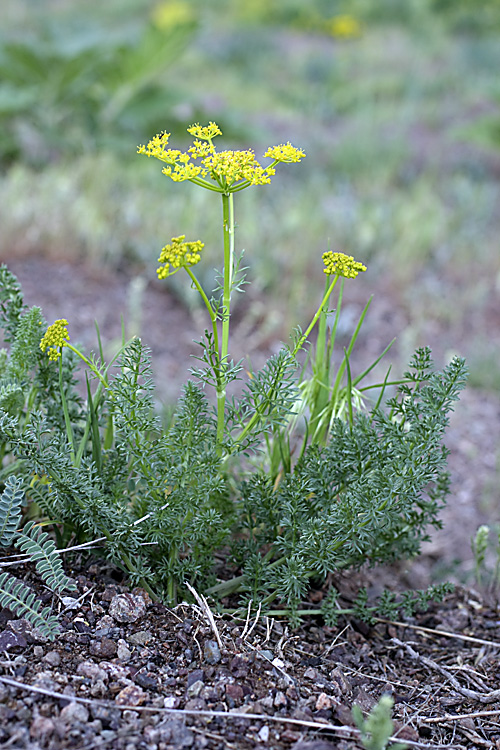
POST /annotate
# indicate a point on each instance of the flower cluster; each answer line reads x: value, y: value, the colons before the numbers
x: 343, y: 26
x: 285, y: 152
x: 179, y: 254
x: 55, y: 338
x: 341, y: 265
x: 224, y: 171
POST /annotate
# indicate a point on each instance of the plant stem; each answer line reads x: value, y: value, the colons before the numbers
x: 228, y: 239
x: 313, y: 322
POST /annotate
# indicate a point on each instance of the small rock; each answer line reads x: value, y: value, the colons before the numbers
x: 235, y: 692
x: 132, y: 695
x: 123, y: 652
x: 74, y: 712
x: 312, y: 674
x: 146, y: 680
x: 195, y: 704
x: 41, y: 727
x: 11, y: 640
x: 280, y: 700
x: 91, y: 670
x: 38, y: 651
x: 195, y: 675
x: 263, y: 734
x: 127, y: 608
x: 195, y: 689
x: 171, y: 701
x: 141, y: 638
x: 53, y: 658
x: 211, y: 652
x: 324, y: 701
x: 239, y: 666
x: 105, y: 623
x: 266, y: 654
x: 105, y: 648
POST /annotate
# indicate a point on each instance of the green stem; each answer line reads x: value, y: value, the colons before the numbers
x: 67, y: 420
x: 89, y: 364
x: 228, y: 239
x: 313, y: 322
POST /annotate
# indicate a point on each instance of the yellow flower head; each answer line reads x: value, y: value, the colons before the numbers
x: 55, y: 338
x: 285, y: 152
x: 166, y: 16
x: 179, y: 254
x: 156, y: 146
x: 230, y: 167
x: 205, y: 133
x: 344, y: 26
x: 229, y: 170
x: 341, y: 265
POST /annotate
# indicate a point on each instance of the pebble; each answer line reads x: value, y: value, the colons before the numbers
x: 131, y: 695
x: 195, y: 689
x: 91, y: 670
x: 74, y: 712
x: 211, y: 651
x: 41, y: 727
x: 122, y: 651
x: 263, y: 734
x: 127, y: 608
x: 11, y: 640
x: 105, y: 648
x: 141, y: 638
x: 53, y: 658
x: 324, y: 701
x: 280, y: 700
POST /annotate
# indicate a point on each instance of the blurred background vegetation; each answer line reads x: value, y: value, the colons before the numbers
x: 396, y: 103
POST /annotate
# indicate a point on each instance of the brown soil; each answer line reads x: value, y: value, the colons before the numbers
x: 126, y: 673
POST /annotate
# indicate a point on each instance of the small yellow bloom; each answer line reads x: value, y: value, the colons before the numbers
x: 341, y: 265
x: 285, y: 152
x: 166, y: 16
x: 156, y: 146
x: 344, y: 26
x: 179, y: 254
x: 182, y: 172
x: 206, y: 133
x: 55, y: 338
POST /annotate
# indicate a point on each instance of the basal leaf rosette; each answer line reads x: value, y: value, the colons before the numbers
x: 222, y: 171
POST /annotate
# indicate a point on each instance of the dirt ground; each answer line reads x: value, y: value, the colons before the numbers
x: 128, y: 673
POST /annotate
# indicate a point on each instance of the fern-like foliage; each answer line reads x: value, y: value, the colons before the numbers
x: 42, y: 551
x: 10, y: 509
x: 23, y: 602
x: 11, y: 303
x: 25, y: 350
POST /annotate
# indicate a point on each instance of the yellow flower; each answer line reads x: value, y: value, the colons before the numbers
x: 55, y: 338
x: 179, y: 254
x: 285, y: 152
x: 206, y: 133
x: 341, y: 265
x: 230, y: 170
x: 344, y: 26
x: 229, y: 167
x: 182, y: 172
x: 166, y: 16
